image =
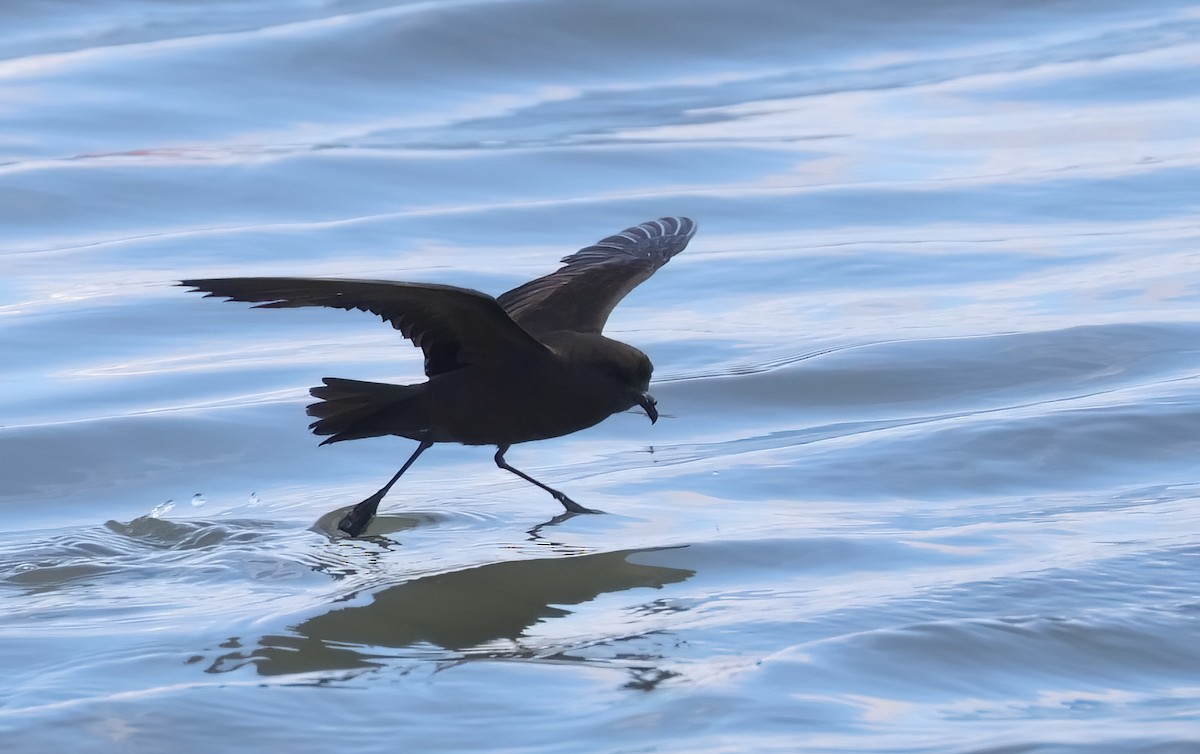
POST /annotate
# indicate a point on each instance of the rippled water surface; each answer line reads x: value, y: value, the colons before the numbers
x: 926, y: 478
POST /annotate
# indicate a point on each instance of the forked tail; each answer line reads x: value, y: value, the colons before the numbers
x: 353, y: 409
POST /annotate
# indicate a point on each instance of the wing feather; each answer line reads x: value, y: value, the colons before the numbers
x: 580, y: 295
x: 453, y: 326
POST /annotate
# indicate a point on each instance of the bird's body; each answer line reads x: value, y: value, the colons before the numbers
x: 554, y: 394
x: 529, y: 365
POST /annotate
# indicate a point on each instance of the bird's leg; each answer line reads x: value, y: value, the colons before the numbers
x: 355, y: 522
x: 567, y: 502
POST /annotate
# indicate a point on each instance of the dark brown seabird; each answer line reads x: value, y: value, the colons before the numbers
x: 528, y: 365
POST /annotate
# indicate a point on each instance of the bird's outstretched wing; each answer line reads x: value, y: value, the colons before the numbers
x: 454, y: 326
x: 580, y: 295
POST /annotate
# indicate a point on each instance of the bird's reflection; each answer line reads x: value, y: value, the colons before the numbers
x: 456, y: 611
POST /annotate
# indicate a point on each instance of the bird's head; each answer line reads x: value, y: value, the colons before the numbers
x: 630, y: 370
x: 615, y: 374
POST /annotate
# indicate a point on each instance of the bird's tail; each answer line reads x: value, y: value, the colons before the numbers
x: 353, y: 409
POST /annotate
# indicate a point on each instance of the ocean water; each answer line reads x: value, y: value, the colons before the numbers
x: 926, y: 478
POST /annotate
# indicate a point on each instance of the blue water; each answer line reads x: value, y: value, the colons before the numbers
x: 926, y: 478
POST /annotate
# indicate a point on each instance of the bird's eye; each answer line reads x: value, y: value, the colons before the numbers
x: 613, y: 370
x: 624, y: 372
